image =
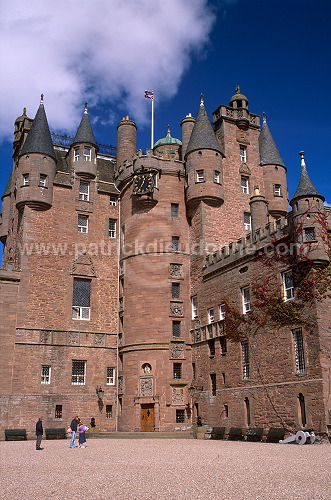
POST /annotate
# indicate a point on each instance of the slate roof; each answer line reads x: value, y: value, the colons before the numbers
x: 85, y: 132
x: 39, y: 137
x: 305, y: 187
x: 8, y: 186
x: 269, y: 154
x: 203, y: 135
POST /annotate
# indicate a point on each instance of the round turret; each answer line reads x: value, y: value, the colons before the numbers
x: 187, y: 125
x: 83, y: 151
x: 238, y: 100
x: 167, y: 147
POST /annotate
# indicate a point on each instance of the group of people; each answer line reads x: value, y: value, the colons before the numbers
x: 76, y: 426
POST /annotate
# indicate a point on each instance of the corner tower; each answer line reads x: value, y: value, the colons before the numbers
x: 84, y: 149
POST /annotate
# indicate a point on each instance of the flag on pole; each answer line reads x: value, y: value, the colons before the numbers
x: 149, y: 94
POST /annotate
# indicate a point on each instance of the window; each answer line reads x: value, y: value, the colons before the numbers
x: 42, y: 180
x: 243, y: 153
x: 211, y: 346
x: 245, y: 359
x: 82, y: 223
x: 244, y: 184
x: 176, y: 328
x: 112, y: 228
x: 81, y: 299
x: 177, y: 370
x: 180, y: 416
x: 26, y: 179
x: 174, y: 210
x: 222, y: 311
x: 211, y: 315
x: 109, y: 411
x: 309, y: 234
x: 277, y: 190
x: 302, y: 408
x: 299, y: 354
x: 247, y: 221
x: 84, y: 191
x: 200, y: 175
x: 175, y: 290
x: 45, y: 374
x: 58, y: 411
x: 175, y: 243
x: 78, y: 373
x: 217, y: 176
x: 213, y: 383
x: 76, y: 154
x: 246, y: 299
x: 113, y: 201
x: 223, y: 344
x: 87, y: 153
x: 194, y: 373
x: 110, y: 375
x: 194, y: 302
x: 288, y: 288
x: 248, y: 411
x: 226, y: 410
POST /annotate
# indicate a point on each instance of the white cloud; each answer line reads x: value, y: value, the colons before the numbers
x: 101, y: 52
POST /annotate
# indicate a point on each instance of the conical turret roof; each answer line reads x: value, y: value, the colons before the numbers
x: 305, y: 187
x: 203, y: 135
x: 269, y: 154
x: 39, y: 137
x: 85, y: 132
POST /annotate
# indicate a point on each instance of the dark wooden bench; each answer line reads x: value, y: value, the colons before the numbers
x: 254, y: 434
x: 235, y: 434
x: 217, y: 433
x: 15, y: 435
x: 56, y: 433
x: 275, y: 434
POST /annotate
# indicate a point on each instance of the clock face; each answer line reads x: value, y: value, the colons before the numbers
x: 143, y: 183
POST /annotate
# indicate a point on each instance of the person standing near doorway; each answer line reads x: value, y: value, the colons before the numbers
x: 73, y: 427
x: 39, y: 433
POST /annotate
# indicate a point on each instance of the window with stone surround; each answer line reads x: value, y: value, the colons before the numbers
x: 244, y: 184
x: 45, y: 374
x: 76, y: 154
x: 109, y: 411
x: 81, y: 299
x: 277, y: 190
x: 78, y: 372
x: 174, y: 210
x: 213, y: 384
x: 211, y: 347
x: 113, y: 201
x: 26, y: 180
x: 217, y: 178
x: 245, y: 360
x: 110, y: 375
x: 177, y: 370
x: 309, y: 233
x: 42, y: 180
x: 211, y: 315
x: 194, y: 302
x: 180, y: 416
x: 84, y: 191
x: 87, y: 153
x: 247, y: 221
x: 175, y: 290
x: 175, y: 243
x: 112, y: 228
x: 299, y: 354
x: 176, y: 328
x: 288, y: 288
x: 221, y: 309
x: 246, y: 299
x: 243, y: 153
x: 223, y: 344
x: 58, y: 411
x: 82, y: 223
x: 200, y: 176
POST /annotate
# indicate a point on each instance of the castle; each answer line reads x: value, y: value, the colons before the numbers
x: 146, y: 290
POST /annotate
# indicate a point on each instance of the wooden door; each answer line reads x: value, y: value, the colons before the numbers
x: 147, y: 418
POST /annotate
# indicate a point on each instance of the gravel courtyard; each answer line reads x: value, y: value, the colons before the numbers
x: 162, y: 469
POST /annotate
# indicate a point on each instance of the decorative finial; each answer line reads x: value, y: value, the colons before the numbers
x: 42, y: 99
x: 201, y: 100
x: 302, y: 154
x: 264, y: 117
x: 168, y: 130
x: 237, y: 89
x: 85, y: 108
x: 24, y: 111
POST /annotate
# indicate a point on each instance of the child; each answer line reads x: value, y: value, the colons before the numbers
x: 82, y: 439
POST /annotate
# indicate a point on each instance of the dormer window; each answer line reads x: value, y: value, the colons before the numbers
x: 243, y: 153
x: 76, y: 154
x: 87, y: 153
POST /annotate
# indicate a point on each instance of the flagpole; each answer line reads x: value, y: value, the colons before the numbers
x: 152, y: 127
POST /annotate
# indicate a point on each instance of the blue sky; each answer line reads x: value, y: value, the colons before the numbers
x: 278, y: 51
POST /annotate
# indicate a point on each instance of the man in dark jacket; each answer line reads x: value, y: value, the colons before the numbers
x: 39, y: 433
x: 73, y: 427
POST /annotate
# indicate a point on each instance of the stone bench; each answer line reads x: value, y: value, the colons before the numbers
x: 56, y: 433
x: 15, y: 435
